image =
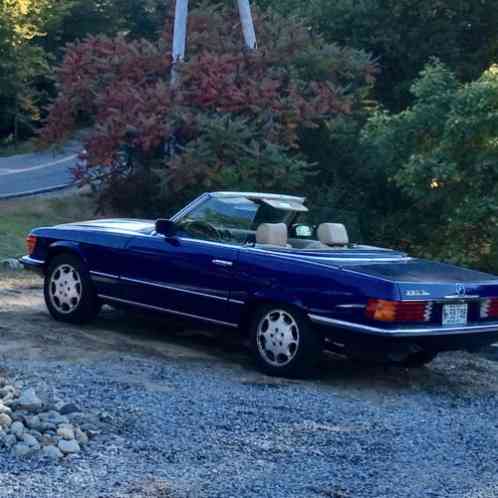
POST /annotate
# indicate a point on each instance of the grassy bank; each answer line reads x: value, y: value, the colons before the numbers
x: 14, y: 149
x: 18, y: 217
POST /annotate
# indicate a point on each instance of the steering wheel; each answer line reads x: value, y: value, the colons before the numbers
x: 202, y: 228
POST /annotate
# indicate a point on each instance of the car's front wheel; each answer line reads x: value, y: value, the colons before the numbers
x: 69, y: 292
x: 283, y: 342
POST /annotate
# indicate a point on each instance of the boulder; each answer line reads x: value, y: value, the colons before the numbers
x: 11, y: 264
x: 28, y: 400
x: 5, y: 421
x: 23, y: 450
x: 31, y: 441
x: 68, y: 447
x: 68, y: 408
x: 80, y: 436
x: 17, y: 428
x: 66, y: 431
x: 52, y: 452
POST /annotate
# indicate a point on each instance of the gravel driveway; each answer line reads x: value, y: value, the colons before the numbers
x: 189, y: 417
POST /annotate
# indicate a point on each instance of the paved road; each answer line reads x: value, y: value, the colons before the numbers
x: 37, y: 172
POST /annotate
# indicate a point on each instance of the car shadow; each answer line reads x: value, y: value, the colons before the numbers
x: 157, y: 334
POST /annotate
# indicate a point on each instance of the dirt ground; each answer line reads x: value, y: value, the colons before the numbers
x: 191, y: 410
x: 28, y: 332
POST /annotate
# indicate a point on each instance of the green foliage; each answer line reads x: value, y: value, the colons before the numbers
x: 442, y: 153
x: 405, y: 34
x: 23, y: 63
x: 233, y: 153
x: 237, y: 118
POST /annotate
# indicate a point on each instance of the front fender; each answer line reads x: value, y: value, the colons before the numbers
x: 65, y: 246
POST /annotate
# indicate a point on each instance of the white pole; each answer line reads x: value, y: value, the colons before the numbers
x: 179, y: 36
x: 247, y: 23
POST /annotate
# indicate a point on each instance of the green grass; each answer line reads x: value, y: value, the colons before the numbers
x: 20, y: 148
x: 18, y: 217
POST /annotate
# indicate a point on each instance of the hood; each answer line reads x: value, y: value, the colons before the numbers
x: 115, y: 225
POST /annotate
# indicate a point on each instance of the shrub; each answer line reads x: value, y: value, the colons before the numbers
x: 442, y: 155
x: 234, y: 118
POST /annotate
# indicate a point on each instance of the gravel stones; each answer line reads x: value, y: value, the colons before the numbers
x: 31, y: 427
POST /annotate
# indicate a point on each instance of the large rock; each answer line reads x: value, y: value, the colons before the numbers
x: 17, y: 428
x: 7, y: 391
x: 22, y: 450
x: 53, y: 417
x: 28, y: 400
x: 10, y: 441
x: 68, y: 408
x: 31, y: 441
x: 5, y: 421
x: 68, y: 447
x: 5, y: 409
x: 80, y: 436
x: 52, y: 452
x: 66, y: 431
x: 11, y: 264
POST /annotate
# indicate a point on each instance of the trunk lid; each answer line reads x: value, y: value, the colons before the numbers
x: 418, y: 279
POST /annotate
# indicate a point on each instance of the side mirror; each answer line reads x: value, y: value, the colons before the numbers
x: 167, y: 228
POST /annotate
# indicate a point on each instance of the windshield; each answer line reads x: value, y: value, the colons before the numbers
x: 233, y: 219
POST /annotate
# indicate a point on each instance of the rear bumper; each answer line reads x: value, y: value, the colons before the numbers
x: 423, y: 331
x: 33, y: 264
x: 366, y: 339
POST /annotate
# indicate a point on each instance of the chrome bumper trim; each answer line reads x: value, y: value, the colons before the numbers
x: 29, y: 261
x: 166, y: 310
x: 404, y: 332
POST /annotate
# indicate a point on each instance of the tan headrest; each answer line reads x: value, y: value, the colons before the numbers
x: 333, y: 234
x: 274, y: 234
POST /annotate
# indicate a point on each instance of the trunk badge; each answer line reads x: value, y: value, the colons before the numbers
x: 460, y: 290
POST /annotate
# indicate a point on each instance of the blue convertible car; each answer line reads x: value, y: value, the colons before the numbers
x: 249, y: 261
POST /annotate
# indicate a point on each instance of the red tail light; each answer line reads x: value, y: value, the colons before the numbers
x: 399, y: 311
x: 30, y: 244
x: 489, y: 308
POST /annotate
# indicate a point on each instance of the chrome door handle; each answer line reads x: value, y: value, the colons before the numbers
x: 222, y: 262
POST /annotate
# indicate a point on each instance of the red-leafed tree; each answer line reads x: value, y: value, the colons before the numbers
x: 234, y: 118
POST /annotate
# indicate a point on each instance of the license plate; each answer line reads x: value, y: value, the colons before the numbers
x: 455, y: 314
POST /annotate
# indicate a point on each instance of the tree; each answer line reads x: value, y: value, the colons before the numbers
x: 263, y: 100
x: 404, y: 35
x: 23, y: 63
x: 442, y: 153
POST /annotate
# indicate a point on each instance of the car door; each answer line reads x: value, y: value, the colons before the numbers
x: 181, y: 275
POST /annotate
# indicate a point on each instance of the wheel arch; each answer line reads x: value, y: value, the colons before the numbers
x: 267, y: 299
x: 64, y: 247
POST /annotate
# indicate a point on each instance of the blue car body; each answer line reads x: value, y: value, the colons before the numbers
x: 221, y: 283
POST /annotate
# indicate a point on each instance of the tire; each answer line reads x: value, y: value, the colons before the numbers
x: 418, y: 360
x: 69, y: 292
x: 298, y: 351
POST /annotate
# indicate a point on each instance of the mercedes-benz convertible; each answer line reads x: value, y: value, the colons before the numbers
x: 253, y: 262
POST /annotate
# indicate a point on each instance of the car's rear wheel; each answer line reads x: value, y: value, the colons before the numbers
x: 69, y: 292
x: 283, y: 342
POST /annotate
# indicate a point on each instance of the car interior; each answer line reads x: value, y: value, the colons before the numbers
x: 262, y: 223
